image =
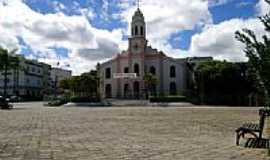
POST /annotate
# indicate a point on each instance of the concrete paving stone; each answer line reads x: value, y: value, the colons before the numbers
x: 32, y: 131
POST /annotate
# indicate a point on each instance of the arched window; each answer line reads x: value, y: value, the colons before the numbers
x: 137, y: 69
x: 153, y: 70
x: 108, y: 91
x: 126, y: 70
x: 108, y: 73
x: 172, y: 72
x: 136, y: 30
x: 132, y: 30
x: 142, y: 31
x: 173, y: 88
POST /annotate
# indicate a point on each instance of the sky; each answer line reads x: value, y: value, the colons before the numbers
x: 80, y: 33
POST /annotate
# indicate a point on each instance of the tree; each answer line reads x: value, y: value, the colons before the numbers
x: 64, y: 84
x: 150, y: 83
x: 74, y: 83
x: 258, y: 53
x: 7, y: 62
x: 83, y: 85
x: 223, y: 83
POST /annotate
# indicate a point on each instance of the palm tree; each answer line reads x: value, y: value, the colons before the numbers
x: 7, y: 62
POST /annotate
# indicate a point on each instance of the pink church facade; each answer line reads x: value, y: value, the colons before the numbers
x: 140, y: 58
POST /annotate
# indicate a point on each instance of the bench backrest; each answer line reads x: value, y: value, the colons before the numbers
x: 262, y: 119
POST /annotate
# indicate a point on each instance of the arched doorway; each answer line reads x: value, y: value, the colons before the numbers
x: 153, y: 90
x: 108, y: 91
x: 173, y: 90
x: 126, y: 90
x: 136, y: 89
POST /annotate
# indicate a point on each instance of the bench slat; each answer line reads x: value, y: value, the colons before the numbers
x: 251, y: 126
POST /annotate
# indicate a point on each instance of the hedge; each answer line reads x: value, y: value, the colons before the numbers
x: 168, y: 99
x: 84, y: 99
x: 56, y: 103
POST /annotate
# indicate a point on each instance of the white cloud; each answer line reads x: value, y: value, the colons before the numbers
x: 165, y: 18
x: 45, y: 31
x: 219, y: 40
x: 8, y: 41
x: 84, y: 42
x: 262, y: 7
x: 87, y: 44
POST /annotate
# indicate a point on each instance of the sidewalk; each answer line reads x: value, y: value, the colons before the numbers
x: 130, y: 103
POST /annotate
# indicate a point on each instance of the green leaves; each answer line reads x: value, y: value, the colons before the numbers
x: 258, y: 53
x: 149, y: 79
x: 84, y: 85
x: 7, y: 62
x: 150, y: 82
x: 216, y: 79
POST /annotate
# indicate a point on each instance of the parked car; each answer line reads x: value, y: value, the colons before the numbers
x: 15, y: 99
x: 4, y: 103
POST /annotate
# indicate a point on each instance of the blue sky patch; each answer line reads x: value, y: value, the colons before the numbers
x: 234, y: 9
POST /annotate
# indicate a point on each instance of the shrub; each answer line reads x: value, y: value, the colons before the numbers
x: 77, y: 99
x: 56, y: 103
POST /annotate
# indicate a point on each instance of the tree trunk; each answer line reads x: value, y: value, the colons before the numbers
x: 266, y: 94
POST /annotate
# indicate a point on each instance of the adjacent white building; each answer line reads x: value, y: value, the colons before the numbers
x: 29, y: 79
x: 140, y: 58
x: 59, y: 74
x: 32, y: 79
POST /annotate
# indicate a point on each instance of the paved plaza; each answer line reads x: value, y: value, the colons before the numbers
x: 33, y: 132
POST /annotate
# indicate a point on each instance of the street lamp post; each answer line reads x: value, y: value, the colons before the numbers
x: 55, y: 86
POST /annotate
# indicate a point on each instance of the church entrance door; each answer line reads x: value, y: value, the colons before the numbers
x: 136, y: 90
x: 126, y: 91
x: 108, y: 91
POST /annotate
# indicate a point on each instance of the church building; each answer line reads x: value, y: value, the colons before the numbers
x: 124, y: 75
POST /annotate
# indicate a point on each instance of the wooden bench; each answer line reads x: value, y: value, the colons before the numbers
x: 251, y: 128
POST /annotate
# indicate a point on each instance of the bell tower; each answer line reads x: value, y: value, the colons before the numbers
x: 137, y: 40
x: 137, y: 50
x: 138, y: 25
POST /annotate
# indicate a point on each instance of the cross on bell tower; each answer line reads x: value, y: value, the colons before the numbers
x: 138, y: 3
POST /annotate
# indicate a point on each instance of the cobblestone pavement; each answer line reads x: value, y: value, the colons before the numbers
x: 32, y: 132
